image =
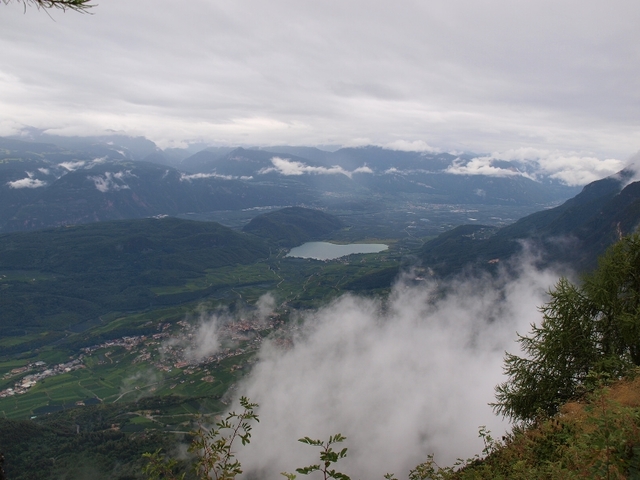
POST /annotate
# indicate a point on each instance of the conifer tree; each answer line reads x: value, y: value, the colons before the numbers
x: 588, y: 332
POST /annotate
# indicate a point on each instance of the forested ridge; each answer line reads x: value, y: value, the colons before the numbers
x: 55, y: 278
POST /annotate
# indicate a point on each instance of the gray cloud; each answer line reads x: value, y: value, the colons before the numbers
x: 633, y: 165
x: 197, y: 176
x: 400, y: 378
x: 140, y: 384
x: 571, y: 168
x: 265, y: 306
x: 111, y: 181
x: 27, y: 182
x: 457, y: 76
x: 202, y: 339
x: 206, y: 340
x: 72, y: 166
x: 207, y: 335
x: 414, y: 146
x: 288, y: 167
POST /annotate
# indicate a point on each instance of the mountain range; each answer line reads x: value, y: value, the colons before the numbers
x: 71, y: 180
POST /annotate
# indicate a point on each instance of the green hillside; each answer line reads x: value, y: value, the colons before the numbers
x: 574, y: 233
x: 53, y: 279
x: 293, y: 226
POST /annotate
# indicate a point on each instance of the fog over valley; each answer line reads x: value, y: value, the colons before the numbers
x: 400, y: 377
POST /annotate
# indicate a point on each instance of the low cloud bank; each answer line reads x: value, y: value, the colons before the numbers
x: 27, y: 182
x: 288, y: 167
x: 634, y: 166
x: 73, y: 166
x: 111, y: 181
x: 568, y: 167
x: 411, y: 146
x: 198, y: 176
x: 400, y: 378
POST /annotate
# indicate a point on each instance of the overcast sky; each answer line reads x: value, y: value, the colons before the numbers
x: 463, y: 75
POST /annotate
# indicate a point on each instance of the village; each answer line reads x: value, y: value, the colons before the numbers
x: 168, y: 349
x: 41, y: 372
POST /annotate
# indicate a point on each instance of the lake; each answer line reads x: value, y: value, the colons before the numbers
x: 331, y: 251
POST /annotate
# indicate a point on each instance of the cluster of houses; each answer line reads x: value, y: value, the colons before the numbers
x: 243, y: 330
x: 174, y: 355
x: 129, y: 342
x: 41, y: 371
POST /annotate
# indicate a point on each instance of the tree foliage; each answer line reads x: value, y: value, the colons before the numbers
x: 588, y: 332
x: 213, y: 448
x: 77, y: 5
x: 328, y: 456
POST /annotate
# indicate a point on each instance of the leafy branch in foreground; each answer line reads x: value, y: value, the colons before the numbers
x: 216, y: 457
x: 77, y: 5
x: 159, y: 466
x: 213, y: 448
x: 327, y: 457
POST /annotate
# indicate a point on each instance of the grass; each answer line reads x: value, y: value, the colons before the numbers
x: 9, y: 365
x: 17, y: 340
x: 223, y: 277
x: 595, y: 437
